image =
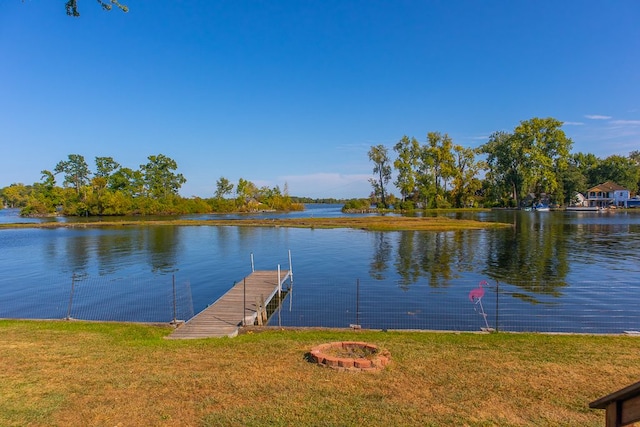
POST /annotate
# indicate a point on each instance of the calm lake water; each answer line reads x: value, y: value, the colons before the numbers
x: 551, y: 271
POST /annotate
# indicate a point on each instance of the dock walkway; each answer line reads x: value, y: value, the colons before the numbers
x: 226, y: 315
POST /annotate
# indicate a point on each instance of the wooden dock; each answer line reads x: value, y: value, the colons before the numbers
x: 227, y: 314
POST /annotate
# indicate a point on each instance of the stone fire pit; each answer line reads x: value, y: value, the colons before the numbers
x: 350, y: 355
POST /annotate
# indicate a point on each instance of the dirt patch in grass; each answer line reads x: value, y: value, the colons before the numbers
x: 351, y: 351
x: 78, y: 374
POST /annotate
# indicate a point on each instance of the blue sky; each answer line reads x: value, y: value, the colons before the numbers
x: 298, y: 91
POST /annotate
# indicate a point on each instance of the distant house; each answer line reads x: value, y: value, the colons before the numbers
x: 608, y: 194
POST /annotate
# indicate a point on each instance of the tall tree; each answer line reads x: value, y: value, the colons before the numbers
x: 406, y: 164
x: 246, y: 190
x: 505, y: 164
x: 382, y: 169
x: 586, y: 163
x: 105, y: 166
x: 465, y: 181
x: 530, y: 159
x: 425, y: 186
x: 439, y: 163
x: 48, y: 179
x: 128, y: 181
x: 160, y: 180
x: 223, y: 187
x: 619, y: 169
x: 547, y: 149
x: 572, y: 180
x: 75, y: 170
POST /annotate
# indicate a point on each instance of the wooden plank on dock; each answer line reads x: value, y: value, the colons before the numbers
x: 225, y: 316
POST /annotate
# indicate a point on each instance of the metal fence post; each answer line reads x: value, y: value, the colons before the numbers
x: 73, y: 284
x: 497, y: 303
x: 358, y: 302
x: 175, y: 317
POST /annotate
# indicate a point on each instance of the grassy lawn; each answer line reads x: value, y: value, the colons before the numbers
x: 106, y: 374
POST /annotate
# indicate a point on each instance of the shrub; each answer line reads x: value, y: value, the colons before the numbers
x: 356, y: 205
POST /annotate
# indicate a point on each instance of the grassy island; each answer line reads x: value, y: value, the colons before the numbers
x: 370, y: 223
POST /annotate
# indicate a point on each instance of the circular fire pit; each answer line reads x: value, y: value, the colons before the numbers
x: 350, y: 355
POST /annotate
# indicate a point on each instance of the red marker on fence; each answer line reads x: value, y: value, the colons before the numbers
x: 475, y: 296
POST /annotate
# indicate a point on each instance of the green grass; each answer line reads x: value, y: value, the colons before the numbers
x: 77, y: 373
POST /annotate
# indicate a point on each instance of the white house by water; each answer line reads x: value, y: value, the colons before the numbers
x: 608, y: 194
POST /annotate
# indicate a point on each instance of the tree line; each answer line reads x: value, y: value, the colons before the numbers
x: 112, y: 189
x: 533, y: 163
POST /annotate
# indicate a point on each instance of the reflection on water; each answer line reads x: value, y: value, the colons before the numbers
x: 381, y: 256
x: 532, y: 254
x: 554, y: 260
x: 162, y: 248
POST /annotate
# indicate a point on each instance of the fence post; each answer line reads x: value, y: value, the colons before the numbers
x: 175, y: 317
x: 497, y: 303
x: 358, y: 302
x: 73, y: 284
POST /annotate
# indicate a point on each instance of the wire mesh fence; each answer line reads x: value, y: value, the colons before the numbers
x: 97, y: 298
x: 584, y: 307
x: 587, y: 307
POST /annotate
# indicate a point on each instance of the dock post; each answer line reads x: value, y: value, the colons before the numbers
x: 290, y: 298
x: 265, y: 316
x: 290, y: 271
x: 244, y: 301
x: 258, y: 311
x: 252, y: 266
x: 290, y: 282
x: 279, y: 296
x: 261, y: 310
